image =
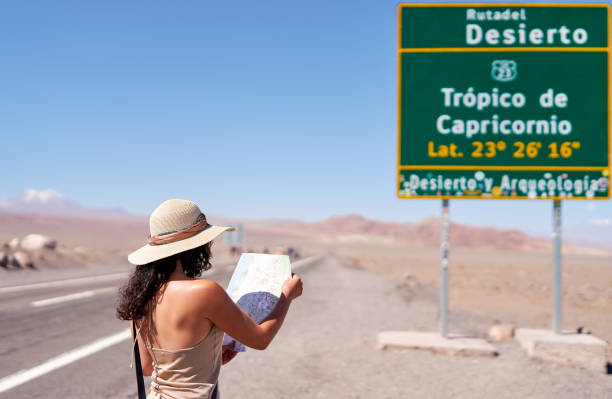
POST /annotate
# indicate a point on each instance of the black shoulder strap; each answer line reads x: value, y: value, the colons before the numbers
x: 142, y: 394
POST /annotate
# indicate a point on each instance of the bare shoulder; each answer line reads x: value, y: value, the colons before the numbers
x: 193, y: 295
x: 205, y: 288
x: 205, y: 292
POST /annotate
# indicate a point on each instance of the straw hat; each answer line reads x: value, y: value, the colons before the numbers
x: 176, y: 226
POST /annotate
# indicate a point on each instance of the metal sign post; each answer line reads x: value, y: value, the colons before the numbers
x: 236, y: 236
x: 557, y: 285
x: 444, y: 248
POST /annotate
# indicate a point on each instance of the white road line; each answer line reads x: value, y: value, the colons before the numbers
x: 72, y: 297
x: 60, y: 283
x: 62, y: 360
x: 90, y: 279
x: 65, y: 298
x: 305, y: 262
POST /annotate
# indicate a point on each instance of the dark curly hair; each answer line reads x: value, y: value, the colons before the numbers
x: 146, y: 280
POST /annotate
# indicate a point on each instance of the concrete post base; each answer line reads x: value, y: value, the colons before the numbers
x: 580, y: 350
x: 433, y: 342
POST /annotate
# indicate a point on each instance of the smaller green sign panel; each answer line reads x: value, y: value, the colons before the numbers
x: 514, y: 92
x: 494, y: 184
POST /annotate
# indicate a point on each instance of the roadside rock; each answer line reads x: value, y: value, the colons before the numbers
x: 583, y: 330
x: 411, y: 281
x: 22, y: 259
x: 14, y: 243
x: 34, y: 242
x: 501, y: 332
x: 587, y: 293
x: 4, y: 259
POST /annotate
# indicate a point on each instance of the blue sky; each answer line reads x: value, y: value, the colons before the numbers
x: 252, y: 109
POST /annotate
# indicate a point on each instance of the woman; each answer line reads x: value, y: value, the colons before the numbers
x: 180, y: 319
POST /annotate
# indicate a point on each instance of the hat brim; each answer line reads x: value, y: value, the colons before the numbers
x: 150, y: 253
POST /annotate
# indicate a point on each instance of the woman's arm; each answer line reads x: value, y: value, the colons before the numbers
x: 145, y: 358
x: 225, y: 314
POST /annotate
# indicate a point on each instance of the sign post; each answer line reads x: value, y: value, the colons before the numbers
x: 557, y: 283
x: 236, y: 236
x: 444, y: 249
x: 503, y: 101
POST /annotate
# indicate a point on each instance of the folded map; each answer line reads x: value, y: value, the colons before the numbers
x: 256, y: 286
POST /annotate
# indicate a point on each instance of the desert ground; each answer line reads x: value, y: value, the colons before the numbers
x: 367, y: 277
x: 328, y: 350
x: 503, y: 286
x: 505, y: 276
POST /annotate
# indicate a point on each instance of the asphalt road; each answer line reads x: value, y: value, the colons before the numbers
x: 41, y: 323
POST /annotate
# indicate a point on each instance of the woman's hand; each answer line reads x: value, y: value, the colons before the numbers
x: 292, y: 288
x: 219, y: 308
x: 228, y: 353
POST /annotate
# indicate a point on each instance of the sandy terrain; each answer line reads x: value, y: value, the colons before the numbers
x: 326, y: 349
x: 507, y: 283
x: 503, y: 286
x: 384, y: 277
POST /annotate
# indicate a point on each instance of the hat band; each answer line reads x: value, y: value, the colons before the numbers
x: 177, y: 235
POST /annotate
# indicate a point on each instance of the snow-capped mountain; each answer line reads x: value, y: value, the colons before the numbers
x: 50, y: 202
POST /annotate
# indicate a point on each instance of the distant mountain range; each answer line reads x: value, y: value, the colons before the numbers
x: 423, y: 233
x: 589, y: 238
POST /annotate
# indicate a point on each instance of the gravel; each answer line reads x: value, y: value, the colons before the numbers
x: 327, y: 349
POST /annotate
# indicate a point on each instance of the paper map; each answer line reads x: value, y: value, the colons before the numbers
x: 256, y: 286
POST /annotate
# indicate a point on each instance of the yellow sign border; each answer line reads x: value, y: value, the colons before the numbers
x: 401, y: 50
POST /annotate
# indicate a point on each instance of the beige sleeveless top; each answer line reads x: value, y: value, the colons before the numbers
x: 189, y: 373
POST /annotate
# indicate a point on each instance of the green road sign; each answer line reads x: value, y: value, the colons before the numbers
x: 503, y: 101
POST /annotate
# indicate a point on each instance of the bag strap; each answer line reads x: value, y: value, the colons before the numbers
x: 142, y: 394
